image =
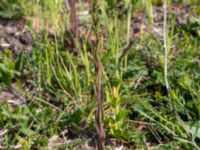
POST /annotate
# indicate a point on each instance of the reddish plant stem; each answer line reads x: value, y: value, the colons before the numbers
x: 74, y: 35
x: 99, y: 72
x: 99, y: 95
x: 74, y: 20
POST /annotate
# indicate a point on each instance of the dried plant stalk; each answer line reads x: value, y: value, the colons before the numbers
x: 165, y: 45
x: 72, y: 37
x: 74, y: 19
x: 99, y: 95
x: 99, y: 73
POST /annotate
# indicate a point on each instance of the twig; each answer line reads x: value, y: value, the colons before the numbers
x: 146, y: 144
x: 3, y: 132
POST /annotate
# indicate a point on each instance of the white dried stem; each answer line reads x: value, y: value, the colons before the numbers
x: 165, y: 44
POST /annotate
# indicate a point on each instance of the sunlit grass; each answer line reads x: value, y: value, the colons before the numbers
x: 137, y: 108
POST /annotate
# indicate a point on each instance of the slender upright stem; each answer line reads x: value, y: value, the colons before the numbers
x: 99, y: 95
x: 74, y: 27
x: 99, y: 74
x: 74, y: 19
x: 165, y: 45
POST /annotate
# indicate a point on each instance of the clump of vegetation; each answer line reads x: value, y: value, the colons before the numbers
x: 100, y: 74
x: 8, y: 68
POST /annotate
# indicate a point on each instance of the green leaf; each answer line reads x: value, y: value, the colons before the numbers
x: 121, y: 114
x: 28, y: 132
x: 9, y: 14
x: 192, y: 127
x: 112, y: 3
x: 194, y: 20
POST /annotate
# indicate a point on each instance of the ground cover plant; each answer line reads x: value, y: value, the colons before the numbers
x: 101, y: 74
